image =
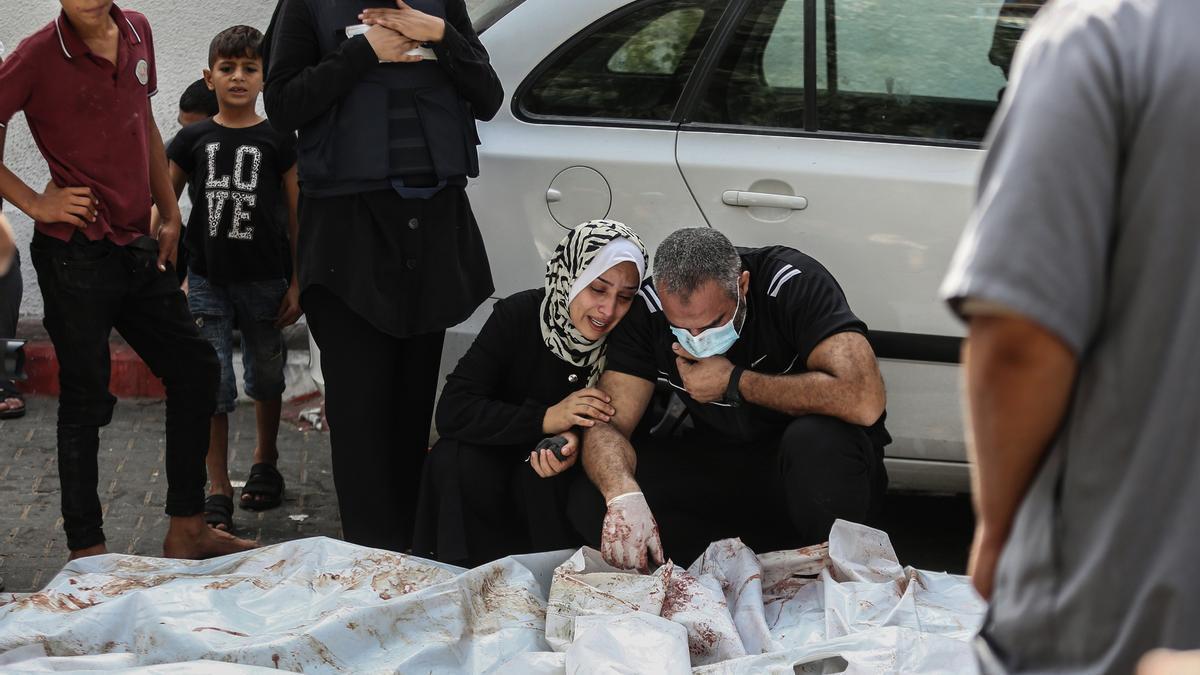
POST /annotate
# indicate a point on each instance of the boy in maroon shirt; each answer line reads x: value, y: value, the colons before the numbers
x: 84, y: 83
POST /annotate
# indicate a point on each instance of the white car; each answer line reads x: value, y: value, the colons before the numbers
x: 675, y: 113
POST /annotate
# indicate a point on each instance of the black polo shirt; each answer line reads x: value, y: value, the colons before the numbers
x: 794, y: 304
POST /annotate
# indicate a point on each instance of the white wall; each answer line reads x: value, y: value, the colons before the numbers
x: 182, y: 31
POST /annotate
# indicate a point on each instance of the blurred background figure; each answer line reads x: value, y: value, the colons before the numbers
x: 1078, y: 277
x: 12, y: 403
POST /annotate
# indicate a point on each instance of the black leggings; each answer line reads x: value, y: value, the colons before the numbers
x: 780, y: 493
x: 379, y: 392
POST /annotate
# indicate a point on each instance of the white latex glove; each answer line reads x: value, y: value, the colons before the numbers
x: 629, y: 537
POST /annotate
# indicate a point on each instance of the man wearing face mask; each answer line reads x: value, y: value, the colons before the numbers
x: 784, y: 394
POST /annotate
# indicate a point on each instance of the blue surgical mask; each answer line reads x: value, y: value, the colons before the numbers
x: 714, y: 341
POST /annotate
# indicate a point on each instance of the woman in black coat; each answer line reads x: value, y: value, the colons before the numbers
x: 389, y: 254
x: 530, y: 374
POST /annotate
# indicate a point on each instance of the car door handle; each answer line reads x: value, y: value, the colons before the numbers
x: 765, y: 199
x: 553, y: 196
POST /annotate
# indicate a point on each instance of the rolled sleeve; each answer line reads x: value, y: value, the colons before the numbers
x: 1038, y: 240
x: 630, y: 348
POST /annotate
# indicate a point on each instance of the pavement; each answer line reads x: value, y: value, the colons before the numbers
x: 133, y: 486
x: 929, y: 532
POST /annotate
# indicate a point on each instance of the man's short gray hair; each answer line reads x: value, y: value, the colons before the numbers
x: 689, y: 258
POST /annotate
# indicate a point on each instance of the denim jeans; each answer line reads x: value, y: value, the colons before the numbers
x: 89, y: 288
x: 252, y: 306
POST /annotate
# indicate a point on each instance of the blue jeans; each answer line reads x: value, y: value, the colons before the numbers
x: 251, y: 306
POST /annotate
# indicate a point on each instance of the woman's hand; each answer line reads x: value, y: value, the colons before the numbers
x: 390, y: 46
x: 580, y: 408
x: 412, y: 23
x: 547, y: 465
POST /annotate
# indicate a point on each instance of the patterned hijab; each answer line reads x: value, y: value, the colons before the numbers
x: 575, y: 252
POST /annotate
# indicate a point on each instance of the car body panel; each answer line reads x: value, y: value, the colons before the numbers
x: 883, y: 214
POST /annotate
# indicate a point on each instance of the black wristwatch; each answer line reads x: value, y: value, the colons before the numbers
x: 732, y: 396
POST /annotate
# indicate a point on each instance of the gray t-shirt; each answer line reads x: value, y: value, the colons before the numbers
x: 1088, y: 222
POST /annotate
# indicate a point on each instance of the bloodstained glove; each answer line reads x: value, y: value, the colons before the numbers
x: 629, y: 537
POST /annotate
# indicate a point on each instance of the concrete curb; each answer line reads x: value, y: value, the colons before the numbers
x: 132, y: 378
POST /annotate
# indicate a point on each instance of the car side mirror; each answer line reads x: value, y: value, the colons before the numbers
x: 12, y: 360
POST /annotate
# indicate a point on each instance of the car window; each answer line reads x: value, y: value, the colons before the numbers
x: 931, y: 69
x: 631, y: 67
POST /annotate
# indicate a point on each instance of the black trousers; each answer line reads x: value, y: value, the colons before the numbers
x: 10, y: 307
x: 481, y: 503
x: 89, y: 288
x: 379, y: 392
x: 781, y: 493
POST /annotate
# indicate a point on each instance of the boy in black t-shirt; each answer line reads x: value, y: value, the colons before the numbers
x: 238, y: 170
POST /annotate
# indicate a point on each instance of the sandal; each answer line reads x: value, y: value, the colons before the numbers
x: 8, y: 391
x: 218, y: 510
x: 263, y: 489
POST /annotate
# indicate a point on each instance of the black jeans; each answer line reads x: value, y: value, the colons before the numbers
x: 379, y: 392
x: 781, y: 493
x: 89, y: 288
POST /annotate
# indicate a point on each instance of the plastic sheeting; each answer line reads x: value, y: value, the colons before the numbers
x: 319, y: 605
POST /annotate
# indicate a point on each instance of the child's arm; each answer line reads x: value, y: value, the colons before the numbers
x: 178, y: 179
x: 73, y: 205
x: 289, y: 310
x: 162, y: 192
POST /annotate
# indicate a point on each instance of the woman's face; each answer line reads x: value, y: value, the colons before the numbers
x: 601, y: 304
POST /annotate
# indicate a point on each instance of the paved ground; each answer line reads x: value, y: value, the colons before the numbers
x: 133, y: 487
x: 928, y: 532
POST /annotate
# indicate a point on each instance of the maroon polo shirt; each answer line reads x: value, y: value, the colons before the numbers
x: 88, y: 117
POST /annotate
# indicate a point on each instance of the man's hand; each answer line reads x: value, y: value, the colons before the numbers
x: 168, y: 244
x: 704, y: 379
x: 392, y: 47
x: 580, y: 408
x: 629, y: 537
x: 74, y: 205
x: 547, y: 465
x: 289, y: 310
x: 411, y: 23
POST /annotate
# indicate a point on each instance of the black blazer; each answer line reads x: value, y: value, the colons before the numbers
x: 500, y: 389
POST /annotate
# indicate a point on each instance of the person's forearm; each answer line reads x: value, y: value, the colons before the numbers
x: 8, y: 246
x: 475, y: 418
x: 858, y: 402
x: 293, y: 232
x: 16, y: 192
x: 301, y: 85
x: 161, y: 190
x: 291, y: 190
x: 3, y: 138
x: 1019, y: 379
x: 609, y: 460
x: 466, y: 61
